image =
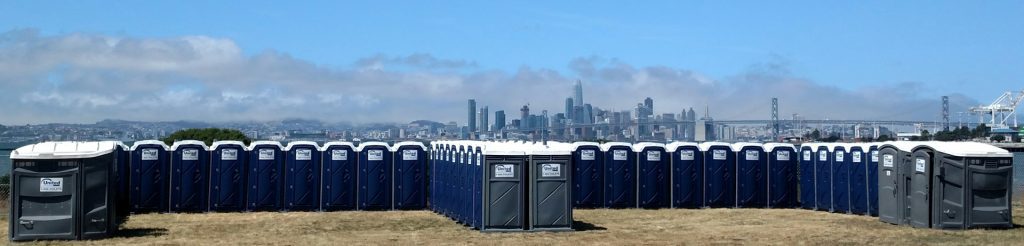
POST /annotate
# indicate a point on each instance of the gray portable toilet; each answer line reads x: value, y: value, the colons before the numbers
x: 891, y: 194
x: 970, y: 186
x: 63, y: 190
x: 504, y: 187
x: 549, y: 195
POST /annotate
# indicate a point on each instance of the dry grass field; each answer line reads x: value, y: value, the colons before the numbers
x: 596, y: 227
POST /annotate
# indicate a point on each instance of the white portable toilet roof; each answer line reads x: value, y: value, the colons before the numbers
x: 549, y: 149
x: 834, y: 146
x: 705, y: 146
x: 504, y: 149
x: 408, y: 143
x: 577, y: 145
x: 905, y: 146
x: 295, y: 143
x: 188, y: 142
x: 64, y: 150
x: 607, y: 146
x: 137, y: 144
x: 641, y: 146
x: 769, y: 147
x: 118, y: 143
x: 337, y: 143
x: 369, y: 144
x: 673, y: 146
x: 736, y: 147
x: 967, y: 149
x: 253, y: 145
x: 217, y: 144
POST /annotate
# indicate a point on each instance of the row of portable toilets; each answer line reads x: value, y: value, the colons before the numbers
x: 77, y: 190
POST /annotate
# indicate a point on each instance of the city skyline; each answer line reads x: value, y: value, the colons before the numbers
x: 85, y: 67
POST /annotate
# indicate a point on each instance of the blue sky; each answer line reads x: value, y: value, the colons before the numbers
x: 971, y: 48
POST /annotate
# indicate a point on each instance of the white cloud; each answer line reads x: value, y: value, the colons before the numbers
x: 85, y: 78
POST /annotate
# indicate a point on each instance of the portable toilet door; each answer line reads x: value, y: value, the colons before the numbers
x: 620, y: 175
x: 374, y: 176
x: 841, y: 163
x: 971, y: 185
x: 338, y: 176
x: 264, y: 175
x: 476, y: 177
x: 302, y: 176
x: 410, y: 175
x: 228, y: 164
x: 823, y: 176
x: 782, y: 181
x: 655, y: 186
x: 917, y: 207
x: 807, y: 174
x: 587, y: 175
x: 872, y: 165
x: 719, y: 175
x: 891, y: 194
x: 190, y: 162
x: 149, y: 177
x: 858, y: 179
x: 751, y: 181
x: 687, y: 175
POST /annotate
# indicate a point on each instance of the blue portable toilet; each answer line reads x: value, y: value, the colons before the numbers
x: 687, y: 174
x: 858, y: 178
x: 228, y: 164
x: 476, y: 181
x: 823, y: 176
x: 654, y: 179
x: 302, y: 168
x: 587, y: 175
x: 264, y: 173
x: 122, y: 187
x: 719, y: 175
x: 782, y: 178
x: 375, y: 175
x: 190, y: 162
x: 872, y: 149
x: 751, y: 179
x: 841, y: 162
x: 620, y: 175
x: 807, y: 174
x: 149, y: 177
x: 338, y: 175
x: 410, y: 172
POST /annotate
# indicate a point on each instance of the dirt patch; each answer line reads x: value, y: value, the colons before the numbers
x: 598, y: 227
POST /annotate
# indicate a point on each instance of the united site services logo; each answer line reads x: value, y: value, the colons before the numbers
x: 51, y: 185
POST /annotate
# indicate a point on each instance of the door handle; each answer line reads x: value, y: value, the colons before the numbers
x: 27, y: 223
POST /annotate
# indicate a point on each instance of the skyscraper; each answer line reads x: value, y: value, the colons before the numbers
x: 649, y: 103
x: 472, y: 116
x: 578, y: 99
x: 524, y: 116
x: 588, y: 114
x: 499, y: 120
x: 568, y: 108
x: 483, y: 119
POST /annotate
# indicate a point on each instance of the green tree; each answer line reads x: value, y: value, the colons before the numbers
x: 925, y: 135
x: 884, y: 138
x: 981, y: 131
x: 998, y: 138
x: 207, y: 135
x: 815, y: 135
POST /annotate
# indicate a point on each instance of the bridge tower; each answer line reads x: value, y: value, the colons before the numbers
x: 945, y: 113
x: 775, y: 118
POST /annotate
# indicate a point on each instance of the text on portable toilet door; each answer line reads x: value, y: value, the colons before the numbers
x: 686, y: 155
x: 718, y: 154
x: 339, y: 155
x: 229, y: 154
x: 782, y: 155
x: 619, y: 155
x: 190, y: 155
x: 753, y: 155
x: 51, y: 185
x: 303, y: 154
x: 587, y: 155
x: 410, y: 155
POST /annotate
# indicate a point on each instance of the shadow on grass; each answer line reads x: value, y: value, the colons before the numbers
x: 584, y: 226
x: 140, y: 232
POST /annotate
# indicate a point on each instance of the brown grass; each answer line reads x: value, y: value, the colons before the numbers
x: 598, y: 227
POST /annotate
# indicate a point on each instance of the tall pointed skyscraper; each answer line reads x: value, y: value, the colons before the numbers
x: 578, y: 96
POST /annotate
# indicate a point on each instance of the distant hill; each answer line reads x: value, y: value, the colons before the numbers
x: 428, y: 123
